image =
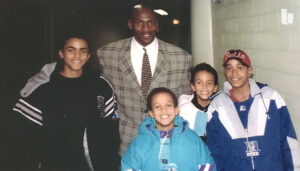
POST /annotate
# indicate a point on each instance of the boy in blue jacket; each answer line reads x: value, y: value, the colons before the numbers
x: 249, y: 124
x: 165, y: 142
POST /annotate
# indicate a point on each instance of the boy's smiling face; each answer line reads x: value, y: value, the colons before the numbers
x: 75, y: 54
x: 204, y: 86
x: 237, y: 74
x: 163, y: 111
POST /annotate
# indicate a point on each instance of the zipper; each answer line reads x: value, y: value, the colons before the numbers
x: 250, y: 149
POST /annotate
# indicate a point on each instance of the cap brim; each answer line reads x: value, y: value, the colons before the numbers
x: 236, y: 58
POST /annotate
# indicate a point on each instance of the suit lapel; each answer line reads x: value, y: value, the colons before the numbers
x: 127, y: 68
x: 160, y: 72
x: 161, y: 68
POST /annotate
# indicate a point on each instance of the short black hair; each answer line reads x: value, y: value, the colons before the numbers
x: 161, y: 90
x: 204, y: 67
x: 70, y: 35
x: 61, y: 44
x: 144, y: 4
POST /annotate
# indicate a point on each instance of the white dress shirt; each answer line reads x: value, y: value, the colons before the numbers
x: 137, y: 54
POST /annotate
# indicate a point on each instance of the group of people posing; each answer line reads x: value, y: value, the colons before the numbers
x: 149, y: 110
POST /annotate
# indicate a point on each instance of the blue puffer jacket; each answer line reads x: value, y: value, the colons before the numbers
x: 187, y: 151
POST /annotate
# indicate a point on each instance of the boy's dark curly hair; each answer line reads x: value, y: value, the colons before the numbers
x: 161, y: 90
x: 204, y: 67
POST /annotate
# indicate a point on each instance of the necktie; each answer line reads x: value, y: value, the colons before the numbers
x: 146, y: 74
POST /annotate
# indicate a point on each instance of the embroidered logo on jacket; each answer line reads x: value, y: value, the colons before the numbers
x: 252, y: 148
x: 243, y: 108
x: 100, y: 106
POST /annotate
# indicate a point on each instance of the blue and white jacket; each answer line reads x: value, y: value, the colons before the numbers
x: 197, y: 119
x: 269, y: 141
x: 186, y: 151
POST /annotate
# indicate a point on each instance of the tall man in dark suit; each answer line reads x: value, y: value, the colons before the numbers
x: 122, y: 63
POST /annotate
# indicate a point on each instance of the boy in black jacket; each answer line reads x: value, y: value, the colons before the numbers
x: 65, y: 116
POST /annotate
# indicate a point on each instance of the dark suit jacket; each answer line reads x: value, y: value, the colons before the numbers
x: 172, y: 71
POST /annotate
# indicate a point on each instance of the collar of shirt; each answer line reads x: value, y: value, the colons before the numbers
x: 166, y: 134
x: 137, y: 53
x: 197, y: 105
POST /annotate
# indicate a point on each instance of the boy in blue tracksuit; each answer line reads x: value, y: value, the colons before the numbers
x: 165, y: 142
x: 249, y: 124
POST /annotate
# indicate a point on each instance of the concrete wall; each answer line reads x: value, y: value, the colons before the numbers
x: 274, y: 48
x: 202, y: 49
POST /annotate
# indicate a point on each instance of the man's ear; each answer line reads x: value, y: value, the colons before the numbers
x: 130, y: 24
x: 61, y: 54
x: 151, y: 113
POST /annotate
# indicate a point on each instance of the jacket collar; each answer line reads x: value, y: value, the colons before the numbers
x: 254, y: 89
x: 148, y: 127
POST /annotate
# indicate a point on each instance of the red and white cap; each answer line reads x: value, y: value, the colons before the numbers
x: 238, y: 55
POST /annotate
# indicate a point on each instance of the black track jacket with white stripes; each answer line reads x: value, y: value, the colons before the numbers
x: 66, y: 124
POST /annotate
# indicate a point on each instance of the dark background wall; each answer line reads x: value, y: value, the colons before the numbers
x: 30, y: 30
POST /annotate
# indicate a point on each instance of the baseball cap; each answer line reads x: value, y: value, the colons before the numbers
x: 239, y: 55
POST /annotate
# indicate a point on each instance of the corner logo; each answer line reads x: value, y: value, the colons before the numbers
x: 252, y: 148
x: 243, y: 108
